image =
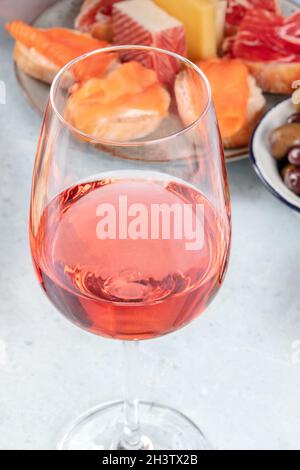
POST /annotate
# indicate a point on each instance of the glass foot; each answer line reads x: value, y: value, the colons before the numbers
x: 163, y: 428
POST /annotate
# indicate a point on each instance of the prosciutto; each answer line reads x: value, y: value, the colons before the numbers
x: 236, y: 9
x: 266, y: 36
x: 93, y: 12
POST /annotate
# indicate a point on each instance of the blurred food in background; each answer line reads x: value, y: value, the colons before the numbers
x: 244, y: 48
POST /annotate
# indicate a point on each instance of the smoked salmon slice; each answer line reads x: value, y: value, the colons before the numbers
x: 74, y: 40
x: 129, y: 79
x: 231, y: 92
x: 27, y: 35
x: 61, y: 46
x: 128, y: 104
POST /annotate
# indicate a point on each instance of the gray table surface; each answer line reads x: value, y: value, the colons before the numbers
x: 234, y: 370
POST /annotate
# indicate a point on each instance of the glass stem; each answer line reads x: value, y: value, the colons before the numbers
x: 132, y: 436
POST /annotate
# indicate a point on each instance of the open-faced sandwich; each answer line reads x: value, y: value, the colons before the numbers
x: 42, y: 52
x: 237, y: 112
x: 128, y: 104
x: 243, y: 47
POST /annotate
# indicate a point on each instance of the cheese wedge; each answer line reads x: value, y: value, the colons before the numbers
x: 144, y: 23
x: 199, y: 19
x: 221, y: 6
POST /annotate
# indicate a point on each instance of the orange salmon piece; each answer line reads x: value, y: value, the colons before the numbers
x: 86, y: 113
x: 129, y: 79
x: 74, y: 39
x: 230, y: 90
x: 27, y: 35
x: 129, y: 94
x: 62, y: 46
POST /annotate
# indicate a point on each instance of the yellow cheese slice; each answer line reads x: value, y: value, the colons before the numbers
x: 221, y: 7
x: 199, y: 19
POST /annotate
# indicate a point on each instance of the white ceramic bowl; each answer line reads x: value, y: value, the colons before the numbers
x: 260, y: 153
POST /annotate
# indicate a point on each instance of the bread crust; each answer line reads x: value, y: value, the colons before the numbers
x: 34, y: 64
x: 37, y: 66
x: 274, y: 77
x: 242, y: 137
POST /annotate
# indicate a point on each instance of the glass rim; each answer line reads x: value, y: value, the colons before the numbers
x: 132, y: 143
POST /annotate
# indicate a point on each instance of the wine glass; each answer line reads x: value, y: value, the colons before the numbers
x: 130, y: 220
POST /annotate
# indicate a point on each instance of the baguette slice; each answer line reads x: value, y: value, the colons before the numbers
x: 188, y: 112
x: 274, y: 77
x: 39, y: 67
x: 124, y: 127
x: 42, y: 53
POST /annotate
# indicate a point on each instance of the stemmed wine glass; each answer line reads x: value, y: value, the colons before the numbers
x: 130, y: 221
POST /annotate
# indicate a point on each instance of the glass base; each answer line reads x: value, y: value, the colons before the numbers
x: 163, y: 428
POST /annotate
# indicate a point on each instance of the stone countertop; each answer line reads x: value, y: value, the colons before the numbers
x: 234, y: 371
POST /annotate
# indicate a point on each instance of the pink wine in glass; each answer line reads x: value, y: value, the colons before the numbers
x: 122, y: 287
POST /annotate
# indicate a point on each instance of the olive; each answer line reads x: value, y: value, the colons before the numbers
x: 283, y: 139
x: 294, y: 118
x: 286, y: 169
x: 294, y: 156
x: 291, y: 177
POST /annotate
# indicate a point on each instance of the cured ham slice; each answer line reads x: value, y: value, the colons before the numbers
x: 142, y: 22
x: 95, y: 18
x: 269, y: 44
x: 265, y: 36
x: 237, y: 9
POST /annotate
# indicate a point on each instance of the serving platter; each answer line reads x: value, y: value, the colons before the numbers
x: 63, y: 14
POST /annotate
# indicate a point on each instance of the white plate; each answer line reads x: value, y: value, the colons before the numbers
x: 260, y: 153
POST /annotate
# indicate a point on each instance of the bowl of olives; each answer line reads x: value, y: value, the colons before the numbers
x: 275, y: 152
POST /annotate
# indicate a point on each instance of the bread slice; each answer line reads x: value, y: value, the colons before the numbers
x: 188, y: 113
x: 37, y: 66
x: 274, y: 77
x: 131, y: 125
